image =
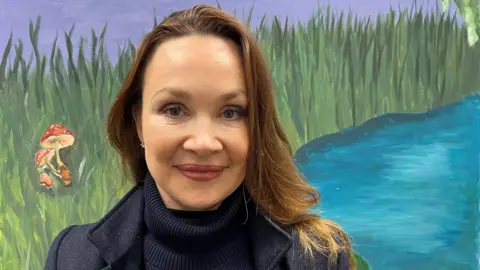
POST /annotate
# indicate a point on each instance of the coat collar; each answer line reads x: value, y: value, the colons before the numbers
x: 119, y: 235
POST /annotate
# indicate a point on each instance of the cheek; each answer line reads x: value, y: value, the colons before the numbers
x: 239, y: 142
x: 161, y: 140
x: 158, y: 127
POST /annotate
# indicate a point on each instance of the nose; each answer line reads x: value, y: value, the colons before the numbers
x: 203, y: 139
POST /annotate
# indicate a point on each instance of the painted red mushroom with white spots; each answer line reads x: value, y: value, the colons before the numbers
x: 57, y: 137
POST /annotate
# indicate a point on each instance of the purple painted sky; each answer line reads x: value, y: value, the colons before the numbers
x: 130, y: 19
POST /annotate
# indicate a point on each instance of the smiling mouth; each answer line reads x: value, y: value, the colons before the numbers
x: 200, y: 172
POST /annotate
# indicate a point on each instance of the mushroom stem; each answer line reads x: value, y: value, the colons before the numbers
x: 57, y: 174
x: 52, y: 167
x: 57, y: 154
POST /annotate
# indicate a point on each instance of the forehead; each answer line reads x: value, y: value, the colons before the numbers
x: 206, y: 49
x: 196, y: 62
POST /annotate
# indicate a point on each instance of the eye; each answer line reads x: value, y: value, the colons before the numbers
x: 173, y: 109
x: 233, y: 113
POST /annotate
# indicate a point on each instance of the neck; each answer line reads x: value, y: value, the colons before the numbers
x: 186, y: 210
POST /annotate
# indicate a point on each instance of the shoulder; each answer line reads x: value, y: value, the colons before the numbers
x: 297, y: 259
x: 71, y: 248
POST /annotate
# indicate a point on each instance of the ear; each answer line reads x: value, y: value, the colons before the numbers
x: 137, y: 118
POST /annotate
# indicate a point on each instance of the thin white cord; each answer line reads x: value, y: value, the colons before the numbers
x: 245, y: 202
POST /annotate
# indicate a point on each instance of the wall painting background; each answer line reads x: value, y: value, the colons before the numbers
x: 380, y: 101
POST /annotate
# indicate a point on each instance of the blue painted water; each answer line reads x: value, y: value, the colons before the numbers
x: 404, y: 186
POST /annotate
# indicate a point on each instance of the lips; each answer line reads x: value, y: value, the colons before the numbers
x: 200, y: 172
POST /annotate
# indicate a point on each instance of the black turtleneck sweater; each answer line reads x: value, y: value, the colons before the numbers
x: 195, y: 240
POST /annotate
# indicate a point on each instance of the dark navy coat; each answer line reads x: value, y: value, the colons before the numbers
x: 116, y: 242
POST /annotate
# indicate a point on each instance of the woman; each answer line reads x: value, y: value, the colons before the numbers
x: 216, y: 185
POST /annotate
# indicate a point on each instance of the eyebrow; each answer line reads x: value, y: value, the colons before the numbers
x: 182, y: 94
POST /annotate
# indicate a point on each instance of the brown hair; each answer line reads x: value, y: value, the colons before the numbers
x: 272, y: 178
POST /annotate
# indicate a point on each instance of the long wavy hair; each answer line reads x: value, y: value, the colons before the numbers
x: 271, y: 178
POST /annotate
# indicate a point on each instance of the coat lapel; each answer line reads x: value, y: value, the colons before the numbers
x: 270, y: 243
x: 119, y: 235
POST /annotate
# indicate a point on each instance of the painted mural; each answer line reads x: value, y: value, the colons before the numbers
x: 380, y: 100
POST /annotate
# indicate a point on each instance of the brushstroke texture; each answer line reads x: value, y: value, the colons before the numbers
x: 405, y: 186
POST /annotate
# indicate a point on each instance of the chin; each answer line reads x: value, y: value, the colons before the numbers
x: 201, y: 205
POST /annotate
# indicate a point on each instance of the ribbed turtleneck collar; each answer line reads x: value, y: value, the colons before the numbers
x: 180, y: 240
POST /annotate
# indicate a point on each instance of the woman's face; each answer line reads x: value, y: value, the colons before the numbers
x: 193, y: 121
